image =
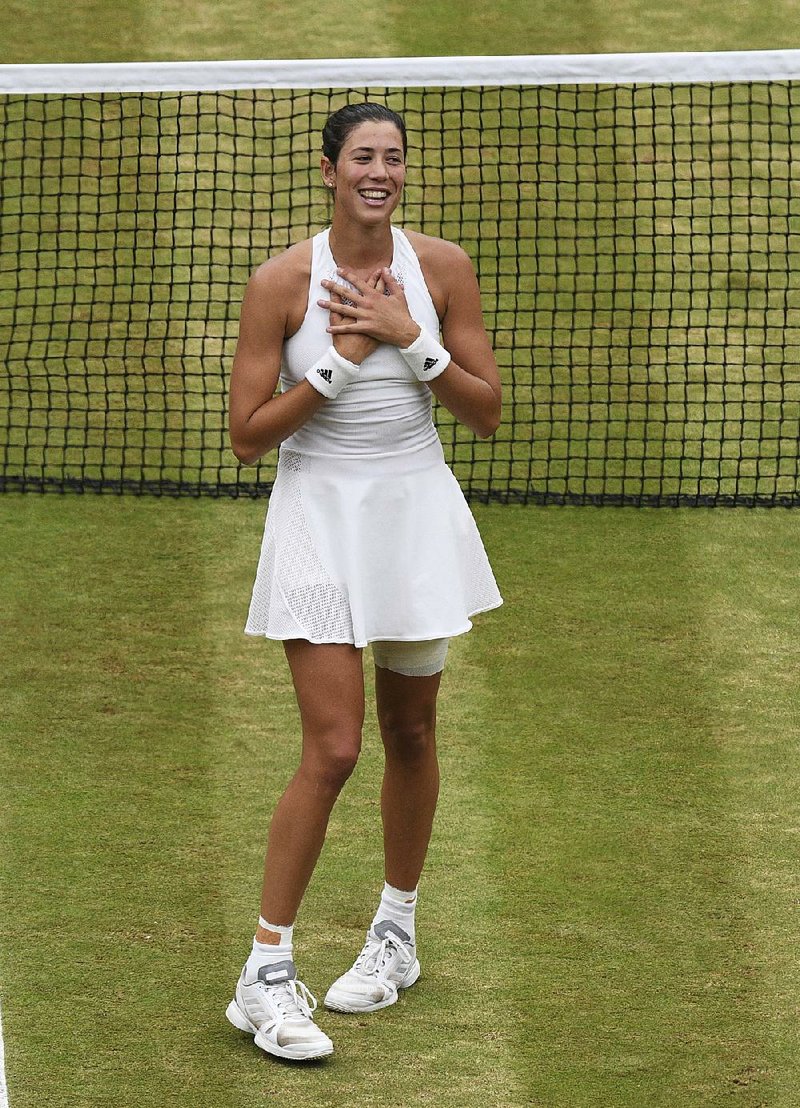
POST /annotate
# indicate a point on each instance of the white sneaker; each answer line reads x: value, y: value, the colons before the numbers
x: 277, y: 1009
x: 387, y: 963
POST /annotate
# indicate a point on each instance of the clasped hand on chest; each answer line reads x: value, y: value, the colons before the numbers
x: 370, y: 311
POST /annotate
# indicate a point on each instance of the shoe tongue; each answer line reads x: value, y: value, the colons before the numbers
x: 277, y: 973
x: 386, y: 927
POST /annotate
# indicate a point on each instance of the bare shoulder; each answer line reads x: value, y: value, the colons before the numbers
x: 280, y: 284
x: 439, y: 254
x: 290, y: 268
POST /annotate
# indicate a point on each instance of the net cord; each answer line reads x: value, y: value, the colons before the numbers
x: 687, y: 67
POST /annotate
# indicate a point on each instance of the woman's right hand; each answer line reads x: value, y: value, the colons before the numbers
x: 354, y: 347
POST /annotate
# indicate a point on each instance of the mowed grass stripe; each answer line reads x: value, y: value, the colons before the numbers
x: 140, y: 32
x: 617, y: 909
x: 111, y: 905
x: 754, y: 651
x: 651, y: 902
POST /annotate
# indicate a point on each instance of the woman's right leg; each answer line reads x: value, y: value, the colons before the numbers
x: 329, y: 683
x: 270, y: 1002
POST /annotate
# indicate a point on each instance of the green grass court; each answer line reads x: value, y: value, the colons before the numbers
x: 616, y: 841
x: 609, y: 915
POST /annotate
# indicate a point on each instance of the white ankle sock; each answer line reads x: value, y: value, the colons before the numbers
x: 263, y: 953
x: 399, y: 907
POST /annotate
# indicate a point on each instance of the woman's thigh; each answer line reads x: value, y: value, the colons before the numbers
x: 329, y: 685
x: 406, y: 708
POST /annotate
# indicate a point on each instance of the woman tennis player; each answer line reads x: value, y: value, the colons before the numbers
x: 368, y: 540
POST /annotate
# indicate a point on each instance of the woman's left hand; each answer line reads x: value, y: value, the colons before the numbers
x: 381, y: 312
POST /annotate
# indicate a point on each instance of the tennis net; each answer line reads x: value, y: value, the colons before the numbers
x: 634, y: 221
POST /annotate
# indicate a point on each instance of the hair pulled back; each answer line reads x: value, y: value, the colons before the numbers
x: 346, y: 119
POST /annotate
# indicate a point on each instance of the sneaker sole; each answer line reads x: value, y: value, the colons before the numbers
x: 344, y: 1006
x: 236, y: 1016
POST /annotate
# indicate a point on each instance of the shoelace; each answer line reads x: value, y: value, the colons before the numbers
x: 375, y: 955
x: 292, y: 998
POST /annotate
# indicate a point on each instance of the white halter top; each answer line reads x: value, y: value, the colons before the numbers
x: 387, y: 410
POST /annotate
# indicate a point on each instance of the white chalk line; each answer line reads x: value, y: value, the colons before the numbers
x: 3, y: 1086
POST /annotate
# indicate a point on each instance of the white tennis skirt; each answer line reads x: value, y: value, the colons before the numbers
x: 359, y: 549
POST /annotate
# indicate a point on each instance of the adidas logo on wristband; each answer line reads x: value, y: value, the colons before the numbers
x: 425, y: 357
x: 326, y: 374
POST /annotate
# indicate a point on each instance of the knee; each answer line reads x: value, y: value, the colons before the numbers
x: 333, y: 762
x: 408, y: 741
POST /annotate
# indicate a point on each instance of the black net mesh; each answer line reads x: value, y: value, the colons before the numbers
x: 634, y: 244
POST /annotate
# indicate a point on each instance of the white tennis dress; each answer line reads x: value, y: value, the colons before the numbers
x: 368, y: 535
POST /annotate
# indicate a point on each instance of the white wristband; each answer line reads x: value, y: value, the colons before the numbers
x: 426, y: 358
x: 331, y: 373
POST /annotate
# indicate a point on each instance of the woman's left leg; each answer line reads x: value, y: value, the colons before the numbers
x: 388, y: 961
x: 407, y: 719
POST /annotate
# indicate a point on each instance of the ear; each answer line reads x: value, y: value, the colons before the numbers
x: 328, y: 170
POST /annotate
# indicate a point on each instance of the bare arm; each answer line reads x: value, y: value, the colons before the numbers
x: 258, y: 419
x: 470, y: 386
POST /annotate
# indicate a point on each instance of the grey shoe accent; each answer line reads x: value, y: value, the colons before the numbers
x: 385, y: 927
x: 277, y: 973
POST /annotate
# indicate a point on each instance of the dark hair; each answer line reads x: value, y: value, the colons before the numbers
x: 346, y: 119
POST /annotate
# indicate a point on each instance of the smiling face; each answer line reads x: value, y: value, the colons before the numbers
x: 369, y: 173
